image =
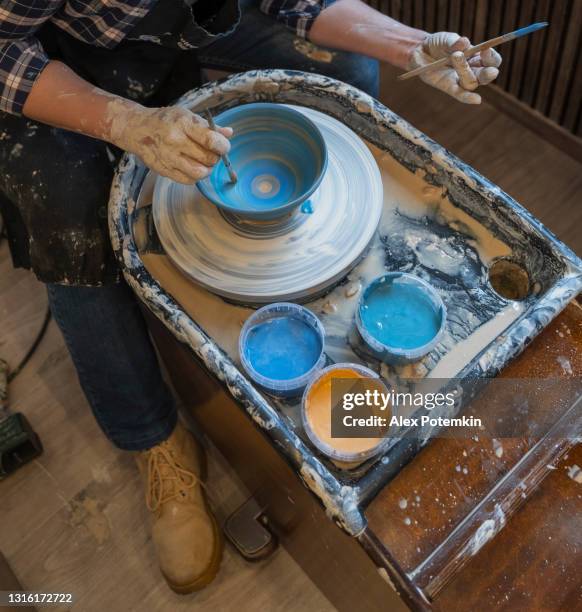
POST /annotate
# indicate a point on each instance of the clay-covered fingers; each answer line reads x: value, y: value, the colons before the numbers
x: 448, y: 81
x: 197, y: 151
x: 176, y: 176
x: 486, y: 75
x: 192, y: 170
x: 461, y: 44
x: 490, y: 58
x: 171, y: 140
x: 464, y: 95
x: 462, y: 76
x: 485, y: 65
x: 467, y: 78
x: 198, y: 144
x: 480, y: 69
x: 215, y: 142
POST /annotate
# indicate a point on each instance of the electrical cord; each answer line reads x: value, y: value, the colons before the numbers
x: 14, y: 373
x: 39, y: 337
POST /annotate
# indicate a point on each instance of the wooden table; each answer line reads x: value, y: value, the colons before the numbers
x: 534, y: 562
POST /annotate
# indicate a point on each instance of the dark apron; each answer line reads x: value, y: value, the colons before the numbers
x: 155, y: 64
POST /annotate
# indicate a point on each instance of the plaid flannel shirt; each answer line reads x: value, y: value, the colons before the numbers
x: 101, y: 23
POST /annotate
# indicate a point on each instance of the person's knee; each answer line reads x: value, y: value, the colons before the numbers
x: 360, y: 71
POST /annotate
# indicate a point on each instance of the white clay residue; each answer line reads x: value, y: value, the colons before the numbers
x: 486, y: 531
x: 575, y: 473
x: 565, y: 365
x: 497, y: 447
x: 353, y: 289
x: 463, y: 352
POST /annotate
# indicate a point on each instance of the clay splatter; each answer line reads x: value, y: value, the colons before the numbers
x: 565, y: 365
x: 312, y: 51
x: 575, y: 473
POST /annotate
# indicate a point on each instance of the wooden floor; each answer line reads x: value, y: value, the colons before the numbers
x: 74, y: 520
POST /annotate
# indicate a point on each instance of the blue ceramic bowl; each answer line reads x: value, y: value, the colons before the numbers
x: 279, y: 156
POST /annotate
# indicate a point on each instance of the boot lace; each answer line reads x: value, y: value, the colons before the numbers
x: 167, y: 479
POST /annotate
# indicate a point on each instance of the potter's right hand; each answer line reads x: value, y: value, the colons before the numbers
x: 172, y: 141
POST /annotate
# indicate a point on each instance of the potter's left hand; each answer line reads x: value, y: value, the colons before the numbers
x: 463, y: 76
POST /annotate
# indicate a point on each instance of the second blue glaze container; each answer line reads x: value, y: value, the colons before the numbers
x: 400, y: 317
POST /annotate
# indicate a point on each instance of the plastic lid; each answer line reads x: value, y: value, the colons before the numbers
x: 412, y: 353
x: 275, y: 311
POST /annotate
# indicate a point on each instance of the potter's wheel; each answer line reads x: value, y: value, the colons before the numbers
x: 292, y: 258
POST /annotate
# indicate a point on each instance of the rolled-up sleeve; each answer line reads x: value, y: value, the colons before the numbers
x: 22, y: 58
x: 298, y: 15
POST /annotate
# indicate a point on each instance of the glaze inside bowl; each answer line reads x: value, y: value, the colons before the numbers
x: 279, y: 156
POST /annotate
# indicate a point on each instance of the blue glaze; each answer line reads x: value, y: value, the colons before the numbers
x: 534, y: 27
x: 400, y: 316
x: 283, y: 348
x: 279, y: 156
x: 307, y: 207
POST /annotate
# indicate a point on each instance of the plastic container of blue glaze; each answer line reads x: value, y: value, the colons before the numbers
x: 280, y: 158
x: 400, y: 317
x: 281, y: 347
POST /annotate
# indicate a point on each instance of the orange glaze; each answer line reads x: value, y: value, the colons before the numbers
x: 318, y: 407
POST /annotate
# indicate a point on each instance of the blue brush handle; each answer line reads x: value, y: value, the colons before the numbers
x: 488, y: 44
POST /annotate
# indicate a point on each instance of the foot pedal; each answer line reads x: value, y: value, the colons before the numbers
x: 247, y: 530
x: 19, y: 444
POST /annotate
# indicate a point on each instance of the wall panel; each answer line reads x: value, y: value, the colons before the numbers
x: 543, y: 71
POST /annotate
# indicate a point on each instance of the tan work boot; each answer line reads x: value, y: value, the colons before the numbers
x: 187, y: 538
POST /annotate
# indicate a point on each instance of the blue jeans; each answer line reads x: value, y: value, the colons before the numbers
x: 117, y: 366
x: 103, y: 327
x: 260, y: 42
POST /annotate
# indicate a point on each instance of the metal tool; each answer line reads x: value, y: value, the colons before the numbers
x: 225, y: 159
x: 471, y: 51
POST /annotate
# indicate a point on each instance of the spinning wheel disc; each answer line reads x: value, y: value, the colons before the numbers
x: 293, y: 258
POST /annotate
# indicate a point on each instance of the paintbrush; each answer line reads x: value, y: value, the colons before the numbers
x: 488, y: 44
x: 225, y: 159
